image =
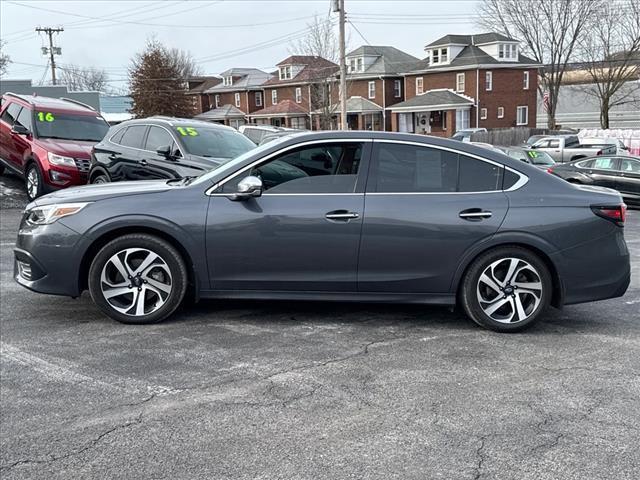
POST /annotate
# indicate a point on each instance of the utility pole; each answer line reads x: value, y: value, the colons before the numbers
x: 51, y: 51
x: 343, y: 66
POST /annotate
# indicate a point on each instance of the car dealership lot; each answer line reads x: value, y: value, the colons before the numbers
x: 297, y: 390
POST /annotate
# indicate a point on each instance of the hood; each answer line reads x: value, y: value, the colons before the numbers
x: 92, y: 193
x: 67, y: 148
x: 204, y: 164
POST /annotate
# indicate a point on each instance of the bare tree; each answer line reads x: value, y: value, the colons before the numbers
x: 4, y: 59
x: 610, y: 51
x: 550, y: 30
x: 83, y: 78
x: 321, y: 41
x: 184, y: 63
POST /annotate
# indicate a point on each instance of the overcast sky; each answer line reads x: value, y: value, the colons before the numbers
x: 219, y: 33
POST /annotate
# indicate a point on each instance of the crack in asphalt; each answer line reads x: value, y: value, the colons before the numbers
x: 481, y: 459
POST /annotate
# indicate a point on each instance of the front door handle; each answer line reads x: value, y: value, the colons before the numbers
x: 475, y: 214
x: 341, y: 215
x: 143, y: 162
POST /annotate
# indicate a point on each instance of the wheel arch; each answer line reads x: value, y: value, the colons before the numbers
x: 98, y: 169
x: 536, y: 246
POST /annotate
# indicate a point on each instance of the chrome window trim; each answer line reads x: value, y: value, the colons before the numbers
x: 147, y: 125
x: 523, y: 179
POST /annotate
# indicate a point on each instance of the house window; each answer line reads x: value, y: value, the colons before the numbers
x: 462, y: 119
x: 525, y: 85
x: 298, y: 95
x: 285, y: 73
x: 500, y: 112
x: 217, y: 101
x: 360, y: 67
x: 274, y: 97
x: 522, y: 115
x: 397, y: 88
x: 435, y: 56
x: 444, y: 119
x: 258, y: 99
x: 372, y: 89
x: 501, y: 51
x: 352, y: 65
x: 483, y: 114
x: 488, y: 81
x: 228, y: 81
x: 237, y: 97
x: 444, y: 55
x: 419, y: 86
x: 460, y: 82
x: 514, y: 52
x: 298, y: 122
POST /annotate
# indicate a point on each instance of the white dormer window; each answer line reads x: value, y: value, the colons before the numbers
x: 508, y: 51
x: 439, y: 55
x: 227, y: 81
x: 435, y: 56
x: 285, y: 73
x: 444, y: 55
x: 351, y: 66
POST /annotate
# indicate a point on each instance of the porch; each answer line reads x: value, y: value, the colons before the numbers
x: 284, y: 114
x: 362, y: 114
x: 225, y: 115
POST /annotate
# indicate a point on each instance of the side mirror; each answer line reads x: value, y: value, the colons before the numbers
x: 20, y: 129
x: 165, y: 151
x: 248, y: 187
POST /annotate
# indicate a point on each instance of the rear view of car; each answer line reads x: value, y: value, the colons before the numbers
x: 48, y: 141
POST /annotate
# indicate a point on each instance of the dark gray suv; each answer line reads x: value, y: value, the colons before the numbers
x: 343, y: 216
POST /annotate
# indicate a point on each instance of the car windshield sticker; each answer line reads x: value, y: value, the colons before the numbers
x: 46, y: 117
x: 187, y: 131
x: 532, y: 154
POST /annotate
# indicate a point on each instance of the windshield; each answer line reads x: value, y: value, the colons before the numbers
x: 213, y: 142
x: 67, y: 126
x: 539, y: 158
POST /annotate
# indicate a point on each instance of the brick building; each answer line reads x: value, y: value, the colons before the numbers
x: 197, y: 87
x: 468, y: 81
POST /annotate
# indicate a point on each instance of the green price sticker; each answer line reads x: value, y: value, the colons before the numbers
x: 187, y: 131
x: 532, y: 154
x: 46, y: 117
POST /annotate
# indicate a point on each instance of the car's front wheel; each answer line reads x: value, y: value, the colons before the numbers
x: 100, y: 178
x: 138, y: 278
x: 506, y: 289
x: 33, y: 181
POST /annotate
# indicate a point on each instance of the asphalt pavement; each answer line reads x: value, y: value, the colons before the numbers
x: 284, y: 390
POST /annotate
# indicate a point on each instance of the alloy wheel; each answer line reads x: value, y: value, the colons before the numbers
x: 33, y: 182
x: 100, y: 179
x: 509, y: 290
x: 136, y: 281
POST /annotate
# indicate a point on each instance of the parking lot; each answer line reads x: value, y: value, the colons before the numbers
x: 307, y: 390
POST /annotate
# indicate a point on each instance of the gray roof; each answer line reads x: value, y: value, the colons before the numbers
x: 478, y: 39
x: 472, y: 56
x: 356, y: 104
x: 222, y: 113
x: 433, y: 99
x: 251, y: 78
x: 390, y: 60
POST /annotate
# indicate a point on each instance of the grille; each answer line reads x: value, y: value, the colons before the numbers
x: 83, y: 164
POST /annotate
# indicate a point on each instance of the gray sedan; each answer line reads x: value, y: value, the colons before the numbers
x: 335, y: 216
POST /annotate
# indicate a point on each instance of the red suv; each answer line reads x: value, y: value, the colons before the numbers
x: 48, y: 141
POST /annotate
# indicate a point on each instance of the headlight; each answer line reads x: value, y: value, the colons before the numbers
x: 50, y: 213
x: 60, y: 160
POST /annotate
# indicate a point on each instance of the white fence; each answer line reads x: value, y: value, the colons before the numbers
x: 630, y: 137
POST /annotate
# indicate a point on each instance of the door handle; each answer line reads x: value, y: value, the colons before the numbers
x: 341, y: 215
x: 475, y: 214
x: 143, y: 162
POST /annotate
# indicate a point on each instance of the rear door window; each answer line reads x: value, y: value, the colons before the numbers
x: 133, y: 136
x: 605, y: 163
x: 11, y: 113
x: 478, y: 176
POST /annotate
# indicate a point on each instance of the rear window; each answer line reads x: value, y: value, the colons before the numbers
x: 133, y: 136
x: 67, y: 126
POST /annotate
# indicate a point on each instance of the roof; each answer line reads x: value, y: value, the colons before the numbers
x: 390, y: 60
x: 249, y: 78
x: 221, y: 113
x: 356, y: 104
x: 206, y: 84
x: 314, y: 68
x: 478, y: 39
x: 431, y: 100
x: 472, y: 56
x: 285, y: 108
x: 55, y: 104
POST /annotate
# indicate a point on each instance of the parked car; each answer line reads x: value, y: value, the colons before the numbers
x: 442, y: 222
x: 621, y: 173
x: 274, y: 136
x: 621, y: 148
x: 48, y: 141
x: 465, y: 135
x: 536, y: 158
x: 486, y: 145
x: 568, y: 148
x: 256, y: 133
x: 535, y: 138
x: 163, y: 147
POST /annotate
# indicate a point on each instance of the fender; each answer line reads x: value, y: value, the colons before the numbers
x: 98, y: 168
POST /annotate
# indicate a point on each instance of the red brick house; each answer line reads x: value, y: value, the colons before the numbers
x: 239, y: 91
x: 301, y: 84
x: 197, y: 88
x: 468, y: 81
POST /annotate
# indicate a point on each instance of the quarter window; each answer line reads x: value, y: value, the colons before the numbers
x: 133, y: 136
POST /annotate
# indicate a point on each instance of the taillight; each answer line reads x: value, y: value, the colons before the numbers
x: 614, y: 213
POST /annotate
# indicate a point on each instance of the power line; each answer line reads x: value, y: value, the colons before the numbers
x: 51, y: 50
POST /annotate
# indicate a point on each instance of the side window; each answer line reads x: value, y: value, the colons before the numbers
x: 478, y: 176
x: 401, y: 168
x: 158, y: 137
x: 510, y: 179
x: 604, y: 163
x: 586, y: 164
x: 117, y: 138
x: 24, y: 119
x: 329, y: 168
x: 253, y: 134
x: 133, y: 136
x: 554, y: 143
x: 630, y: 165
x: 11, y: 113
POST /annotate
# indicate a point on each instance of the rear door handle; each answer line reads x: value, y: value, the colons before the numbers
x: 475, y: 214
x: 143, y: 162
x: 341, y: 215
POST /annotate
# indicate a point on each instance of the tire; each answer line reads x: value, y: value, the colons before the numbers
x: 99, y: 178
x: 486, y: 286
x: 33, y: 181
x: 164, y: 279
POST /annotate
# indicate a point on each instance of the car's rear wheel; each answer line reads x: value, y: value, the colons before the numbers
x: 138, y: 278
x: 33, y: 181
x: 100, y: 178
x: 506, y: 289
